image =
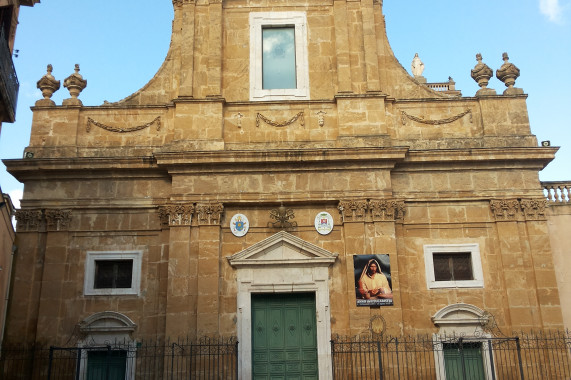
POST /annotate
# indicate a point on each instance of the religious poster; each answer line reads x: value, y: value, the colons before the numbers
x: 373, y: 283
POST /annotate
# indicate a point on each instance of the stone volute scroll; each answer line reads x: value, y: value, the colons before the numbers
x: 482, y: 73
x: 48, y: 85
x: 508, y: 73
x: 74, y: 84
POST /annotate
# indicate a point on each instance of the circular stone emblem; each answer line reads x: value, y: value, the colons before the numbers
x: 324, y: 223
x: 239, y: 225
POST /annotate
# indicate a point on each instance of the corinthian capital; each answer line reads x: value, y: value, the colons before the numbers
x: 209, y: 214
x: 176, y: 214
x: 534, y: 209
x: 505, y: 209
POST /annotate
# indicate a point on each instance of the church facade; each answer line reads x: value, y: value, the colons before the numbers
x: 282, y: 165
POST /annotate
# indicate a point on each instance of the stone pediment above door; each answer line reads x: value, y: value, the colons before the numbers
x: 283, y: 249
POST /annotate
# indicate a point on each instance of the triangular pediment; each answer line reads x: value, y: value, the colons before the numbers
x: 283, y: 249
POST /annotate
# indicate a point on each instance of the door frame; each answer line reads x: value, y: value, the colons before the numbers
x: 283, y: 263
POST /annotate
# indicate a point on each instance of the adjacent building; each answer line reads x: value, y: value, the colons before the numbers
x: 9, y: 11
x: 281, y: 174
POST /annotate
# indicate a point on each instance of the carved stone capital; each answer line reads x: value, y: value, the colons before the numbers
x: 353, y: 210
x: 534, y: 209
x: 387, y: 210
x: 505, y: 209
x: 209, y: 214
x: 58, y: 220
x: 176, y: 214
x: 29, y: 220
x: 178, y: 3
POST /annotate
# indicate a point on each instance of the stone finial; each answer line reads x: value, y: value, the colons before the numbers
x: 508, y: 73
x: 75, y: 84
x: 417, y: 68
x: 482, y: 73
x: 48, y: 85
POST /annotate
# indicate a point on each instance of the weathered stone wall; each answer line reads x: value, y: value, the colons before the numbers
x: 558, y: 221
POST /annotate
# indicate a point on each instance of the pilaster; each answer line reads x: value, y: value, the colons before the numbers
x: 527, y: 263
x: 215, y: 49
x: 57, y: 281
x: 209, y: 257
x: 187, y: 9
x: 342, y: 47
x: 370, y: 46
x: 182, y: 270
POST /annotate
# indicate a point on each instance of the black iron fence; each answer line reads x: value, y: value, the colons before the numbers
x: 519, y: 357
x: 206, y: 358
x: 523, y: 357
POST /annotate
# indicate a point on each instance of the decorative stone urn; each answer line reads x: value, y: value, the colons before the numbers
x: 48, y: 85
x: 75, y: 84
x: 482, y: 73
x: 508, y: 73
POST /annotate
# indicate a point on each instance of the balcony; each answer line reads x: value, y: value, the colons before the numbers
x: 8, y: 82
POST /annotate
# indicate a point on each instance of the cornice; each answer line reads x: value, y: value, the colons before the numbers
x: 539, y: 155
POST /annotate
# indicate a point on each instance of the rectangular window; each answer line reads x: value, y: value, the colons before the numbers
x: 278, y: 56
x: 453, y: 266
x: 112, y: 273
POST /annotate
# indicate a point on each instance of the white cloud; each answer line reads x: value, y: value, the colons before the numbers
x: 552, y: 9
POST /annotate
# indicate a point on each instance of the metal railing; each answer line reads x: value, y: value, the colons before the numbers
x: 9, y: 85
x: 527, y: 356
x: 206, y: 358
x: 559, y: 191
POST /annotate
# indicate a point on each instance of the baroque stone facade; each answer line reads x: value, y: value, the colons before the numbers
x: 383, y: 163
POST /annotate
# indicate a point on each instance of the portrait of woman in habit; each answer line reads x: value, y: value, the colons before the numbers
x: 373, y: 284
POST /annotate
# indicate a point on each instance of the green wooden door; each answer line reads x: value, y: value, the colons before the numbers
x: 104, y: 365
x: 473, y: 362
x: 284, y: 338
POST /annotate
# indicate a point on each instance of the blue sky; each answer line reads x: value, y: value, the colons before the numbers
x: 120, y: 44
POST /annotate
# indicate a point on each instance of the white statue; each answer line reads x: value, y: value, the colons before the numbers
x: 417, y: 66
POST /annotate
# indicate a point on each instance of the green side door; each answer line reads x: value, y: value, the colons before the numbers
x: 284, y: 338
x: 473, y: 361
x: 106, y: 365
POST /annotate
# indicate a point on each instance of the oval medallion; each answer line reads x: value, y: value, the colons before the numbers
x: 239, y: 225
x: 324, y: 223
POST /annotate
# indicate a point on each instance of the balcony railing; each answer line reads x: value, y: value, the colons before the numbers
x: 559, y: 192
x: 9, y: 85
x: 448, y: 88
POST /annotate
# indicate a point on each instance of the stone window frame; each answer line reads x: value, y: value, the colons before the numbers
x: 89, y: 278
x: 472, y: 248
x: 259, y: 20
